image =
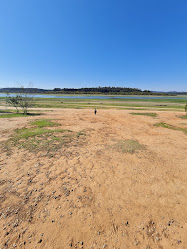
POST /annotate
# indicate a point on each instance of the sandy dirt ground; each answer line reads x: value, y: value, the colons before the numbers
x: 90, y: 193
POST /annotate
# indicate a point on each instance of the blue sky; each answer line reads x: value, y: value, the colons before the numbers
x: 85, y: 43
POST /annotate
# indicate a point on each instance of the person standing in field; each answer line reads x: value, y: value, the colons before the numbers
x: 95, y: 111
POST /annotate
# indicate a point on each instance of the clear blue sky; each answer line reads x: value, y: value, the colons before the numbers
x: 85, y: 43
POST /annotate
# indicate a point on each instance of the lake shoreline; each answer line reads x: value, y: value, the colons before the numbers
x: 102, y: 97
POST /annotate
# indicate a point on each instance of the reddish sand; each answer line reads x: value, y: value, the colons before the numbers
x: 91, y: 194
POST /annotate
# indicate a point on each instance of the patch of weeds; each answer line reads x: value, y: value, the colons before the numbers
x: 164, y: 125
x: 150, y: 114
x: 128, y: 146
x: 44, y: 123
x: 46, y: 143
x: 26, y: 133
x: 16, y: 115
x: 55, y: 138
x: 80, y: 133
x: 40, y: 139
x: 7, y: 111
x: 12, y: 115
x: 183, y: 117
x: 136, y: 109
x: 37, y: 139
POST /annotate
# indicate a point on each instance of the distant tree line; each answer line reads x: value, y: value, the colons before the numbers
x: 90, y: 90
x: 100, y: 90
x: 105, y: 90
x: 21, y: 90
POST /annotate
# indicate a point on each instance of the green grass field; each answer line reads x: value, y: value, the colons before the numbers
x: 175, y: 104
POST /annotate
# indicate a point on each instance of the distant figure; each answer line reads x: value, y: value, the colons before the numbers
x: 95, y: 111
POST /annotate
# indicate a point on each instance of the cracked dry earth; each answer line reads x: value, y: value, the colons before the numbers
x: 92, y: 194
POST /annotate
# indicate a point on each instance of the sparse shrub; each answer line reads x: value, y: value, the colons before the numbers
x: 24, y: 100
x: 185, y: 108
x: 13, y: 101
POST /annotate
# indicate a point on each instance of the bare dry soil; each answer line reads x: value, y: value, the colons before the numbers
x: 119, y: 182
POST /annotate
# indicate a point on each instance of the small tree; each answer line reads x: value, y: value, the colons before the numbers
x: 24, y: 100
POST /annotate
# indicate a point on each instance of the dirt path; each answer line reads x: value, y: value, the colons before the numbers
x: 93, y: 193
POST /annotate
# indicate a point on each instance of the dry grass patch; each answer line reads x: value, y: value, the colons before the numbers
x: 128, y: 146
x: 149, y: 114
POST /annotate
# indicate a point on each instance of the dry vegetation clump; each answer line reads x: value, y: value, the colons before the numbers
x: 128, y: 146
x: 149, y: 114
